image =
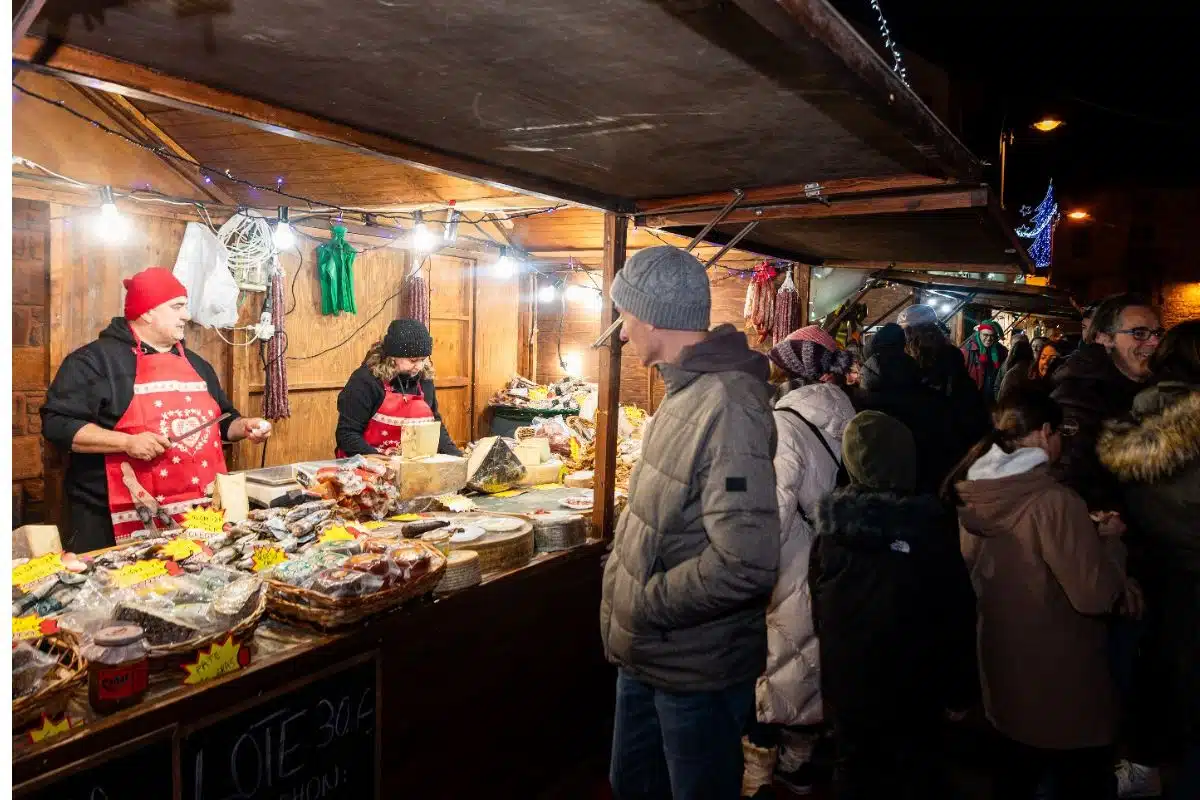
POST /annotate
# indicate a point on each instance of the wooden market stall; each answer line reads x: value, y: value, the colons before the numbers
x: 782, y: 107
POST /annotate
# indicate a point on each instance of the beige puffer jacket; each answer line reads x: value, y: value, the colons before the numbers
x: 789, y: 693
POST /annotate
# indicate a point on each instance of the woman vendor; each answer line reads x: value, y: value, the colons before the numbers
x: 131, y: 408
x: 394, y: 383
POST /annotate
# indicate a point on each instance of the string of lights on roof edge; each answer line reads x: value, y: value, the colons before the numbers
x: 886, y: 31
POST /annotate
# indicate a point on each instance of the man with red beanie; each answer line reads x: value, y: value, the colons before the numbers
x: 117, y: 402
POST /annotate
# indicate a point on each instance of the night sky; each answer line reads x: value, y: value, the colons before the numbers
x: 1126, y: 83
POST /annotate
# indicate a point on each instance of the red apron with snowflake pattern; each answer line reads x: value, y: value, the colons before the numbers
x: 384, y: 429
x: 169, y: 398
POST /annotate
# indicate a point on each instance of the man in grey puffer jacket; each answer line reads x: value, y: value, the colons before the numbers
x: 696, y: 552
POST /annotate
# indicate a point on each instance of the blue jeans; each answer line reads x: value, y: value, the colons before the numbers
x: 681, y: 745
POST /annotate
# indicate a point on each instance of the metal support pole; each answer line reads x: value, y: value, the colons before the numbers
x: 732, y: 243
x: 738, y: 194
x: 911, y: 298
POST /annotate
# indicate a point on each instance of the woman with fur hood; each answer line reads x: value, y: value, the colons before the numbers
x: 1157, y: 460
x: 1044, y: 577
x: 394, y: 383
x: 810, y: 420
x: 895, y: 617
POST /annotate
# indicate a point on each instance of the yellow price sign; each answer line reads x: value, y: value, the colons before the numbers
x: 217, y: 660
x: 406, y: 518
x: 268, y: 556
x: 36, y: 569
x: 373, y: 525
x: 338, y: 534
x: 204, y: 519
x: 181, y: 548
x: 509, y: 493
x: 142, y: 572
x: 33, y: 627
x: 576, y: 450
x: 51, y: 728
x: 539, y: 393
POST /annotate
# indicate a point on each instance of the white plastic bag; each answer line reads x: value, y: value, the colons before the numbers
x: 203, y: 267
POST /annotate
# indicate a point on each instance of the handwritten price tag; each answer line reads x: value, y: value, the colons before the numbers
x: 204, y: 519
x: 539, y: 393
x: 373, y: 526
x: 510, y: 493
x: 545, y: 487
x: 217, y: 660
x: 576, y: 450
x: 36, y: 569
x: 338, y: 534
x: 406, y: 518
x: 181, y: 548
x: 50, y: 728
x: 267, y: 557
x: 33, y: 627
x: 143, y: 572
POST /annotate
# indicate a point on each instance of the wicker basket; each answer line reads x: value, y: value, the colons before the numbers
x: 70, y: 674
x: 307, y: 607
x: 168, y: 656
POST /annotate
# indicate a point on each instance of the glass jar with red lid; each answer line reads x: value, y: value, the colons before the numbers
x: 118, y: 668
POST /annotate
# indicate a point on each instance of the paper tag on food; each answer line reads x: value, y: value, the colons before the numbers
x: 204, y: 519
x: 267, y: 557
x: 36, y: 569
x: 181, y: 548
x: 217, y: 660
x: 576, y: 450
x: 509, y: 493
x: 538, y: 393
x: 143, y: 572
x: 406, y: 518
x: 52, y: 727
x: 33, y: 627
x: 336, y: 534
x: 545, y: 487
x: 373, y: 525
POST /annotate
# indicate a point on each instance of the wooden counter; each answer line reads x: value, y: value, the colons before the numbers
x: 496, y: 690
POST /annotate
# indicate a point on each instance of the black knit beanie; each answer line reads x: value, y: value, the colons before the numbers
x: 407, y: 338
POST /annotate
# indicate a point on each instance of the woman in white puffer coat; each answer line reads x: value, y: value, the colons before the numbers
x: 810, y: 421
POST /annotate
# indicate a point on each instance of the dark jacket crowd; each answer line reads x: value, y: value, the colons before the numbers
x: 926, y: 537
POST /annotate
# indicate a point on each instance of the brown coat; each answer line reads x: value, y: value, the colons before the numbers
x: 1044, y: 577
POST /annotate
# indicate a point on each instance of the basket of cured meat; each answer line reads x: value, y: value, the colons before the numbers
x: 45, y: 673
x: 350, y: 581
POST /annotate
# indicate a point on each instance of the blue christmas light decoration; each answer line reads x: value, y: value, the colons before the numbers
x: 1040, y: 228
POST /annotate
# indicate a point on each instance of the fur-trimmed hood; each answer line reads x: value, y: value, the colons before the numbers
x: 861, y: 519
x: 1165, y: 440
x: 381, y: 366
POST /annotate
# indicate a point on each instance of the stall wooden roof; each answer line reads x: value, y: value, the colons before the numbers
x: 604, y: 103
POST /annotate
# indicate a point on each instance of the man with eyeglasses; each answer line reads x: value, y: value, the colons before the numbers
x: 1097, y: 383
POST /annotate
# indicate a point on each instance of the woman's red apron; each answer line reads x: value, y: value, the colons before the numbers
x: 169, y: 398
x: 384, y: 428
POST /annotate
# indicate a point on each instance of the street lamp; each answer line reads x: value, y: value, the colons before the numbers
x: 1044, y: 125
x: 1078, y: 215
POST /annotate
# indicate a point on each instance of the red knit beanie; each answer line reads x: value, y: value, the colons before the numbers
x: 149, y: 289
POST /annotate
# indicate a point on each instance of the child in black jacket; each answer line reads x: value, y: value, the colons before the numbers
x: 895, y: 616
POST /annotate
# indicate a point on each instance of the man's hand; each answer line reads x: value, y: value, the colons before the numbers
x: 146, y: 446
x: 1109, y: 523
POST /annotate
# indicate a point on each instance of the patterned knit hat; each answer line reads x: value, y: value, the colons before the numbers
x: 812, y: 355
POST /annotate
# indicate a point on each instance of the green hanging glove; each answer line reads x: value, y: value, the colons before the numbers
x: 335, y: 273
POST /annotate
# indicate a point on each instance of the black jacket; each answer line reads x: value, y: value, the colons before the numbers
x: 890, y: 382
x: 95, y: 384
x: 1157, y: 461
x: 894, y: 610
x: 948, y: 376
x: 361, y: 399
x: 1090, y: 390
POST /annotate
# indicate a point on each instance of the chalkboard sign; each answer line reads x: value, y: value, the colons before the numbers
x: 141, y: 771
x: 316, y: 742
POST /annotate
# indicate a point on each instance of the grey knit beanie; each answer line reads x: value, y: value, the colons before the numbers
x: 665, y: 287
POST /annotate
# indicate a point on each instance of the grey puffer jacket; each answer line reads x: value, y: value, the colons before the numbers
x: 696, y: 552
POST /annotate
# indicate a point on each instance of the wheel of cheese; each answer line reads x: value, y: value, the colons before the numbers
x: 462, y: 571
x: 580, y: 480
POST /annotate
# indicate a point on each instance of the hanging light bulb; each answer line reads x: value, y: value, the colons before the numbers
x: 420, y: 239
x: 504, y: 266
x: 110, y: 225
x: 284, y: 237
x: 547, y: 293
x: 450, y: 232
